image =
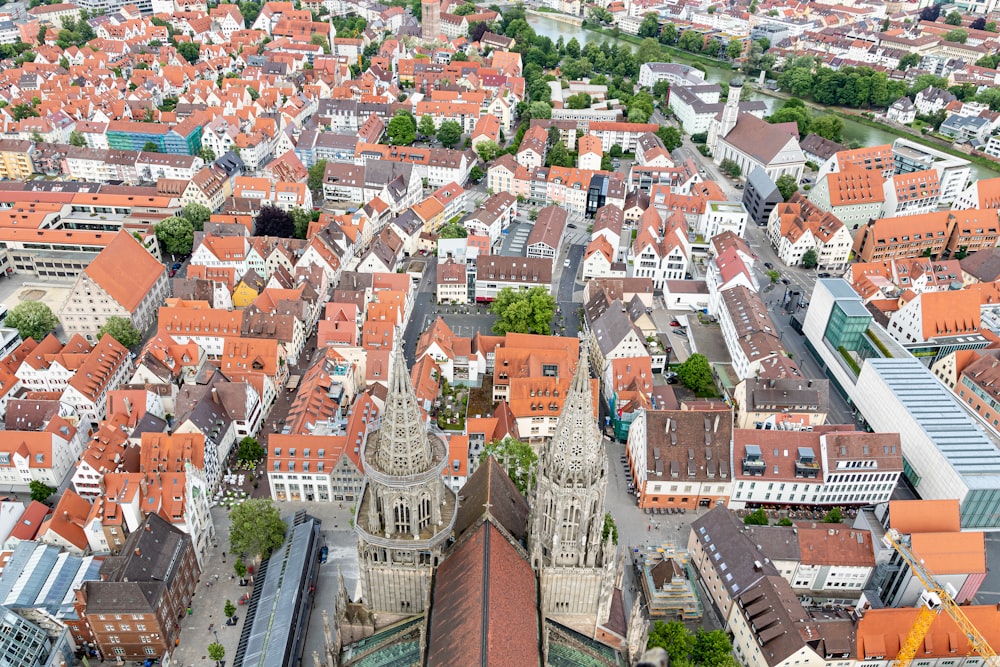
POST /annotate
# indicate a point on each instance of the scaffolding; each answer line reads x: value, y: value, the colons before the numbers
x: 669, y: 583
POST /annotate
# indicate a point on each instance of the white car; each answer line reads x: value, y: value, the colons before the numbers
x: 566, y: 263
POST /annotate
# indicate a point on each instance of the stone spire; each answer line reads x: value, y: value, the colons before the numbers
x: 402, y: 447
x: 576, y: 453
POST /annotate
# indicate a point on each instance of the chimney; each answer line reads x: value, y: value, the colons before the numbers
x: 148, y: 528
x: 137, y: 553
x: 66, y: 515
x: 215, y: 395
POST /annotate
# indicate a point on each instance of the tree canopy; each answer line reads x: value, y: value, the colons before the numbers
x: 426, y: 126
x: 316, y: 173
x: 449, y: 133
x: 402, y: 129
x: 810, y: 259
x: 32, y: 319
x: 176, y: 235
x: 197, y: 215
x: 523, y: 311
x: 787, y: 186
x: 250, y: 450
x: 256, y: 528
x: 273, y: 221
x: 696, y: 373
x: 487, y: 149
x: 122, y: 330
x: 517, y: 458
x: 756, y: 518
x: 40, y: 491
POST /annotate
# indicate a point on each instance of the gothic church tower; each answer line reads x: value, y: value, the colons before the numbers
x: 577, y: 568
x: 407, y: 512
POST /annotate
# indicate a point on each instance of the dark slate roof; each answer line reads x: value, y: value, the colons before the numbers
x: 490, y: 491
x: 983, y: 264
x: 136, y: 580
x: 485, y: 605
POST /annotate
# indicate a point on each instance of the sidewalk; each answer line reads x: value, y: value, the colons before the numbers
x: 208, y: 603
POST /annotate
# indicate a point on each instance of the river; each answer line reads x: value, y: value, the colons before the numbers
x: 853, y: 132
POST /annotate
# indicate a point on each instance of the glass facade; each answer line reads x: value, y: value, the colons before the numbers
x: 845, y: 329
x: 981, y: 509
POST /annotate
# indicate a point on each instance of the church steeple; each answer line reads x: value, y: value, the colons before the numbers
x: 576, y: 454
x: 406, y: 513
x: 567, y: 513
x: 402, y: 446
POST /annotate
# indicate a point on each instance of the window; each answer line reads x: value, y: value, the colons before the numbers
x: 118, y: 650
x: 150, y: 650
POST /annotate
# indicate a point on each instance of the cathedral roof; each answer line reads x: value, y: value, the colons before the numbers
x: 482, y: 594
x: 490, y: 491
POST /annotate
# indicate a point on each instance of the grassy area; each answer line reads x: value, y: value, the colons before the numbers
x: 879, y: 344
x: 849, y: 359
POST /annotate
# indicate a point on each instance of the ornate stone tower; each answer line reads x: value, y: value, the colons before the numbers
x: 406, y: 513
x: 577, y: 567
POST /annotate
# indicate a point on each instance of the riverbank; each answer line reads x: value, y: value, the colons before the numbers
x: 860, y: 119
x: 556, y: 16
x: 678, y: 55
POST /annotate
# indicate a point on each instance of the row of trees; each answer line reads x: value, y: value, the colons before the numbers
x: 794, y: 111
x: 403, y: 128
x: 702, y: 649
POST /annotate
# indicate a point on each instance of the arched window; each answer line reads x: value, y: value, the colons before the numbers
x: 401, y: 516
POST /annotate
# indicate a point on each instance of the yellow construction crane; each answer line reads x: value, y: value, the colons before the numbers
x: 935, y: 599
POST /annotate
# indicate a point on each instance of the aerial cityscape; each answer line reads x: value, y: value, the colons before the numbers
x: 336, y: 333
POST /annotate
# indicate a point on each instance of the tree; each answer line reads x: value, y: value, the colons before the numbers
x: 455, y: 231
x: 731, y: 168
x: 402, y: 129
x: 465, y: 9
x: 256, y: 528
x: 711, y: 649
x: 273, y: 221
x: 836, y: 515
x: 695, y: 373
x: 476, y: 174
x: 649, y: 50
x: 784, y: 521
x: 610, y: 529
x: 517, y: 458
x: 908, y: 61
x: 734, y: 49
x: 958, y: 36
x: 189, y: 51
x: 77, y: 139
x: 240, y: 567
x: 978, y: 23
x: 650, y: 26
x: 540, y: 110
x: 787, y: 186
x: 207, y: 155
x: 773, y: 275
x: 829, y: 127
x: 615, y: 151
x: 792, y: 114
x: 486, y: 149
x: 32, y: 319
x: 809, y: 259
x: 669, y: 34
x: 40, y: 491
x: 953, y: 18
x: 523, y: 311
x: 320, y: 41
x: 558, y: 156
x: 426, y: 126
x: 229, y: 609
x: 449, y: 133
x: 579, y: 101
x: 756, y: 518
x: 122, y: 330
x: 217, y: 652
x: 151, y: 147
x: 316, y: 173
x: 197, y: 215
x: 176, y: 235
x: 250, y: 450
x: 670, y: 136
x: 301, y: 219
x: 673, y: 637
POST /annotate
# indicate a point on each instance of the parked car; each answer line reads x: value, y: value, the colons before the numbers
x: 571, y: 226
x: 567, y: 263
x: 176, y: 266
x: 173, y: 272
x: 823, y: 275
x: 785, y: 281
x: 681, y: 331
x: 674, y: 323
x: 324, y: 552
